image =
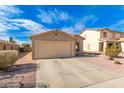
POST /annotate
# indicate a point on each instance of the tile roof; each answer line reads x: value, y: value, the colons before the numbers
x: 4, y: 42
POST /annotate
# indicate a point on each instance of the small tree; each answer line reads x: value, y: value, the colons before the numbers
x: 25, y: 47
x: 11, y: 40
x: 8, y: 59
x: 112, y: 51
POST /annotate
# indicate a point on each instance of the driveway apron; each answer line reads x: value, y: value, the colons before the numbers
x: 71, y: 73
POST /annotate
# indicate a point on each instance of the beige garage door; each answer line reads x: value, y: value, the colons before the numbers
x: 54, y: 49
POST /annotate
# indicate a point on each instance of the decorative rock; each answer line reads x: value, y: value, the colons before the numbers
x: 42, y: 85
x: 10, y: 85
x: 11, y: 69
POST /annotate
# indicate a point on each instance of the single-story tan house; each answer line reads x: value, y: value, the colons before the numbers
x: 54, y: 44
x: 4, y: 45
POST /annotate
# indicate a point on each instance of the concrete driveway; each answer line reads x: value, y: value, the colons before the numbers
x: 72, y: 73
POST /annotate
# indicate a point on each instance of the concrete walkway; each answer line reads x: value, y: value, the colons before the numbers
x: 73, y: 73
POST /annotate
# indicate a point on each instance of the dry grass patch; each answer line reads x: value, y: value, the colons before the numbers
x: 8, y: 59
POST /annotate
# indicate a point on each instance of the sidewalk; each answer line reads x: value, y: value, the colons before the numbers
x: 114, y: 83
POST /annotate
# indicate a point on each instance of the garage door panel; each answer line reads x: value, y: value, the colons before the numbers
x: 50, y: 49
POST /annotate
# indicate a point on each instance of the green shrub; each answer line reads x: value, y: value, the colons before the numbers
x: 8, y: 59
x: 117, y: 62
x: 112, y: 51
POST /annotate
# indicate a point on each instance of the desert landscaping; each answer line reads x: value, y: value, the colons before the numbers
x: 56, y: 59
x: 49, y: 72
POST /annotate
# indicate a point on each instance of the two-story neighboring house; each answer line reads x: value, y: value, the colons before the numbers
x: 98, y: 40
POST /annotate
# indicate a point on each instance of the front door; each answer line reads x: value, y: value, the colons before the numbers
x: 77, y: 46
x: 101, y: 46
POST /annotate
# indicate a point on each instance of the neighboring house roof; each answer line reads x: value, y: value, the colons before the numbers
x: 78, y: 36
x: 109, y: 30
x: 101, y: 30
x: 4, y: 42
x: 104, y: 29
x: 52, y: 31
x: 87, y: 29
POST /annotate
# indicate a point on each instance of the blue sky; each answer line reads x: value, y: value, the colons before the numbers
x: 24, y: 21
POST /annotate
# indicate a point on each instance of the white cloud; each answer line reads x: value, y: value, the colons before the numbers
x: 4, y: 36
x: 20, y: 41
x: 69, y: 30
x: 94, y: 20
x: 6, y: 15
x: 80, y: 25
x: 8, y: 22
x: 31, y: 26
x: 5, y: 26
x: 9, y: 11
x: 52, y: 16
x: 90, y: 18
x: 118, y: 26
x: 73, y: 29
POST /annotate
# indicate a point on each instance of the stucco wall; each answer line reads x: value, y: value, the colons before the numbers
x: 49, y: 37
x: 8, y: 46
x: 33, y: 49
x: 52, y: 37
x: 1, y: 46
x: 91, y: 42
x: 122, y: 46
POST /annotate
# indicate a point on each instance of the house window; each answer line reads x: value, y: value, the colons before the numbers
x: 4, y: 47
x: 88, y: 46
x: 104, y: 34
x: 114, y: 35
x: 122, y: 35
